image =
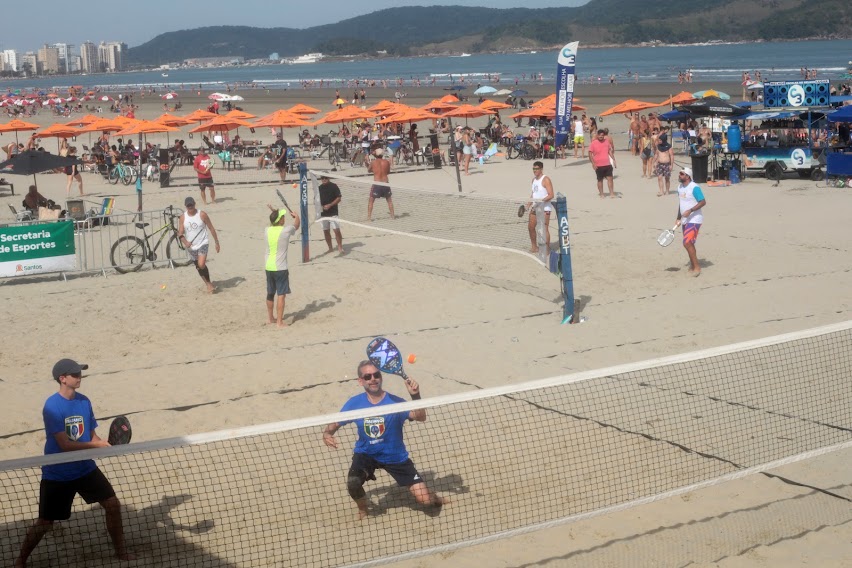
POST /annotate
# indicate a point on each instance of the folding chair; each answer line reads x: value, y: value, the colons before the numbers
x: 489, y: 152
x: 25, y: 215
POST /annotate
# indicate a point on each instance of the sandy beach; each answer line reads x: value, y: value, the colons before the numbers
x: 774, y: 260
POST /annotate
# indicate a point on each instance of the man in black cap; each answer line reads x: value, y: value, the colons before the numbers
x: 194, y: 231
x: 69, y: 423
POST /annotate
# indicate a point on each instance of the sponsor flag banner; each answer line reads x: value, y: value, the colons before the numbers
x: 565, y: 71
x: 35, y: 249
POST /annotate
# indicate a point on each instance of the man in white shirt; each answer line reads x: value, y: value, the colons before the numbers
x: 691, y: 201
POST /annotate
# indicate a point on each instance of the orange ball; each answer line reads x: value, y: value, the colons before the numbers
x: 295, y: 185
x: 412, y: 358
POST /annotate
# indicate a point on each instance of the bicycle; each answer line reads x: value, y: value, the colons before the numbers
x: 129, y: 252
x: 519, y: 148
x: 124, y: 172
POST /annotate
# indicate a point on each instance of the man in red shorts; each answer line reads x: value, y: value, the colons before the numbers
x: 690, y: 216
x: 202, y: 165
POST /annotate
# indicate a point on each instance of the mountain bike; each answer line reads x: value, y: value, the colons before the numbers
x: 124, y: 172
x: 129, y: 253
x: 519, y: 148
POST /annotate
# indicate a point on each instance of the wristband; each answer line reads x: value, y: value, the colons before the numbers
x: 415, y: 396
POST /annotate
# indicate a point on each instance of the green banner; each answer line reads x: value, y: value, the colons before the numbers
x: 33, y: 249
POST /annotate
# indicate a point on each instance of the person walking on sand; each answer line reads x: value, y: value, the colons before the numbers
x: 277, y: 273
x: 329, y: 199
x: 602, y: 159
x: 380, y: 443
x: 73, y: 173
x: 69, y: 422
x: 663, y: 160
x: 194, y: 229
x: 202, y: 165
x: 380, y: 168
x: 579, y: 138
x: 542, y: 192
x: 690, y: 203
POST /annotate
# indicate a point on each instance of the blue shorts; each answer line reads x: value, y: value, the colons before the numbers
x: 277, y: 282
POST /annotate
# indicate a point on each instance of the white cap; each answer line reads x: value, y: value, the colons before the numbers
x: 687, y: 171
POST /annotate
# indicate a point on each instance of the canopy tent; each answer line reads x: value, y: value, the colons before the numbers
x: 843, y: 114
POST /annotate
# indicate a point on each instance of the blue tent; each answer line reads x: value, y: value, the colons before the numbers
x: 843, y: 114
x: 674, y: 115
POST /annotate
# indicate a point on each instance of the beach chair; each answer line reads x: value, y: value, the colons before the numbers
x: 25, y: 215
x: 489, y: 152
x: 95, y: 218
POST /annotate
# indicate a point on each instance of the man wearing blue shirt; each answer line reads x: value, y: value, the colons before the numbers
x: 691, y: 201
x: 380, y: 444
x: 69, y: 423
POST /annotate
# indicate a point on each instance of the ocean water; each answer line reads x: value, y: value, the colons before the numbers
x: 717, y: 62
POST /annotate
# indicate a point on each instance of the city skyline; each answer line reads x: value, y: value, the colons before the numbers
x: 161, y: 17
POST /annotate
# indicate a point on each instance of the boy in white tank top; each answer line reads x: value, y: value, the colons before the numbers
x: 542, y: 191
x: 194, y: 230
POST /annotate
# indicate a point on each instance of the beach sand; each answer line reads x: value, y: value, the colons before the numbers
x: 775, y: 260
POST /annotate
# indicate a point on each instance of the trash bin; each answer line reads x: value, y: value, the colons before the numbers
x: 165, y: 174
x: 699, y: 168
x: 435, y: 149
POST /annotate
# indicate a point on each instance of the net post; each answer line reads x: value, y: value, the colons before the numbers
x: 454, y: 151
x: 567, y: 275
x: 303, y: 211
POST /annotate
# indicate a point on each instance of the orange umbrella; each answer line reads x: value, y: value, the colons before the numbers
x: 468, y: 111
x: 83, y: 121
x: 172, y: 120
x: 344, y: 114
x: 18, y: 126
x: 381, y: 106
x: 494, y: 105
x: 449, y: 99
x: 550, y: 100
x: 200, y: 115
x: 146, y: 127
x: 59, y: 131
x: 281, y: 119
x: 542, y: 112
x: 221, y: 124
x: 303, y: 109
x: 681, y: 98
x: 439, y: 105
x: 412, y: 115
x: 629, y: 105
x: 102, y: 125
x: 240, y: 114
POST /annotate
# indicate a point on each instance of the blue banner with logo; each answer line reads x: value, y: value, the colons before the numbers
x: 303, y: 211
x: 566, y: 274
x: 565, y: 71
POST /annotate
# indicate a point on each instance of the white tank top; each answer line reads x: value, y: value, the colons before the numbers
x: 539, y: 192
x: 195, y: 230
x: 578, y: 128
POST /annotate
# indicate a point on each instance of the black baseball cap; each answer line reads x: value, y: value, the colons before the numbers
x: 189, y: 202
x: 67, y: 367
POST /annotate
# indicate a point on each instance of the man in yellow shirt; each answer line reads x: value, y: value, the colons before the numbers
x: 277, y: 275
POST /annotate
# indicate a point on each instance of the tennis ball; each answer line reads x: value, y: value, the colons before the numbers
x: 412, y: 358
x: 295, y: 185
x: 163, y: 287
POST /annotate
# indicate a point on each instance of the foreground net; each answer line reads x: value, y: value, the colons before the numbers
x: 450, y: 217
x: 510, y: 460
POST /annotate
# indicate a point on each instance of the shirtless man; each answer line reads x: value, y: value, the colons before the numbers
x: 705, y: 134
x: 380, y: 168
x: 653, y: 121
x: 662, y: 166
x: 635, y: 133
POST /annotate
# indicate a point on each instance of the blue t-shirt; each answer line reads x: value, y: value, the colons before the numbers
x: 76, y: 419
x: 379, y: 437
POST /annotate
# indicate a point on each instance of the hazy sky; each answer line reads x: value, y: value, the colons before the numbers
x: 137, y: 22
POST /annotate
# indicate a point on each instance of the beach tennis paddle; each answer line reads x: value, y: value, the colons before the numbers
x: 386, y: 357
x: 284, y: 201
x: 521, y: 211
x: 119, y: 431
x: 667, y: 237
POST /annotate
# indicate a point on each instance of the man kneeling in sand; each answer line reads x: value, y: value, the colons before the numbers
x: 277, y: 275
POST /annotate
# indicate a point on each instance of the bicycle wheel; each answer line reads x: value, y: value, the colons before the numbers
x: 529, y: 152
x: 113, y: 176
x: 408, y: 158
x: 511, y: 152
x: 332, y: 157
x: 128, y: 254
x: 176, y: 253
x: 127, y: 175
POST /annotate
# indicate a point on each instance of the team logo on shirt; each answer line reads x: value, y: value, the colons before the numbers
x: 374, y: 427
x: 74, y: 427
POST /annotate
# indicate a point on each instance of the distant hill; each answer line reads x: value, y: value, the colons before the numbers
x: 416, y: 30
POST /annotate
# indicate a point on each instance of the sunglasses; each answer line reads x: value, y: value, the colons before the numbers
x: 368, y: 376
x: 534, y: 169
x: 75, y: 375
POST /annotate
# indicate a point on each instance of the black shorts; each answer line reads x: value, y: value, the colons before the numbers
x: 603, y: 172
x: 56, y: 497
x: 405, y: 474
x: 379, y: 191
x: 277, y: 282
x: 205, y: 182
x: 282, y: 166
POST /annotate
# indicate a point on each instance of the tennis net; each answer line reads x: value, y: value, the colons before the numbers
x: 510, y: 460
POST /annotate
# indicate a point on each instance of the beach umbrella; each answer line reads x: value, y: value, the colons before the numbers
x: 303, y: 109
x: 169, y: 96
x: 754, y: 85
x: 411, y: 115
x: 711, y: 93
x: 682, y: 97
x: 105, y: 98
x: 59, y: 131
x: 217, y: 96
x: 221, y: 124
x: 233, y: 98
x: 713, y: 106
x: 240, y: 114
x: 18, y: 126
x: 439, y: 104
x: 449, y: 99
x: 467, y: 111
x: 345, y: 114
x: 502, y: 92
x: 281, y: 119
x: 494, y: 105
x: 541, y: 112
x: 485, y: 90
x: 83, y: 120
x: 200, y: 115
x: 630, y: 105
x: 102, y: 125
x: 381, y: 106
x: 32, y: 162
x: 172, y: 120
x: 519, y: 93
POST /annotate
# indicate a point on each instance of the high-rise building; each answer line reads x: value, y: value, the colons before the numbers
x: 89, y: 62
x: 111, y: 55
x: 64, y: 56
x: 11, y: 59
x: 31, y: 64
x: 49, y: 58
